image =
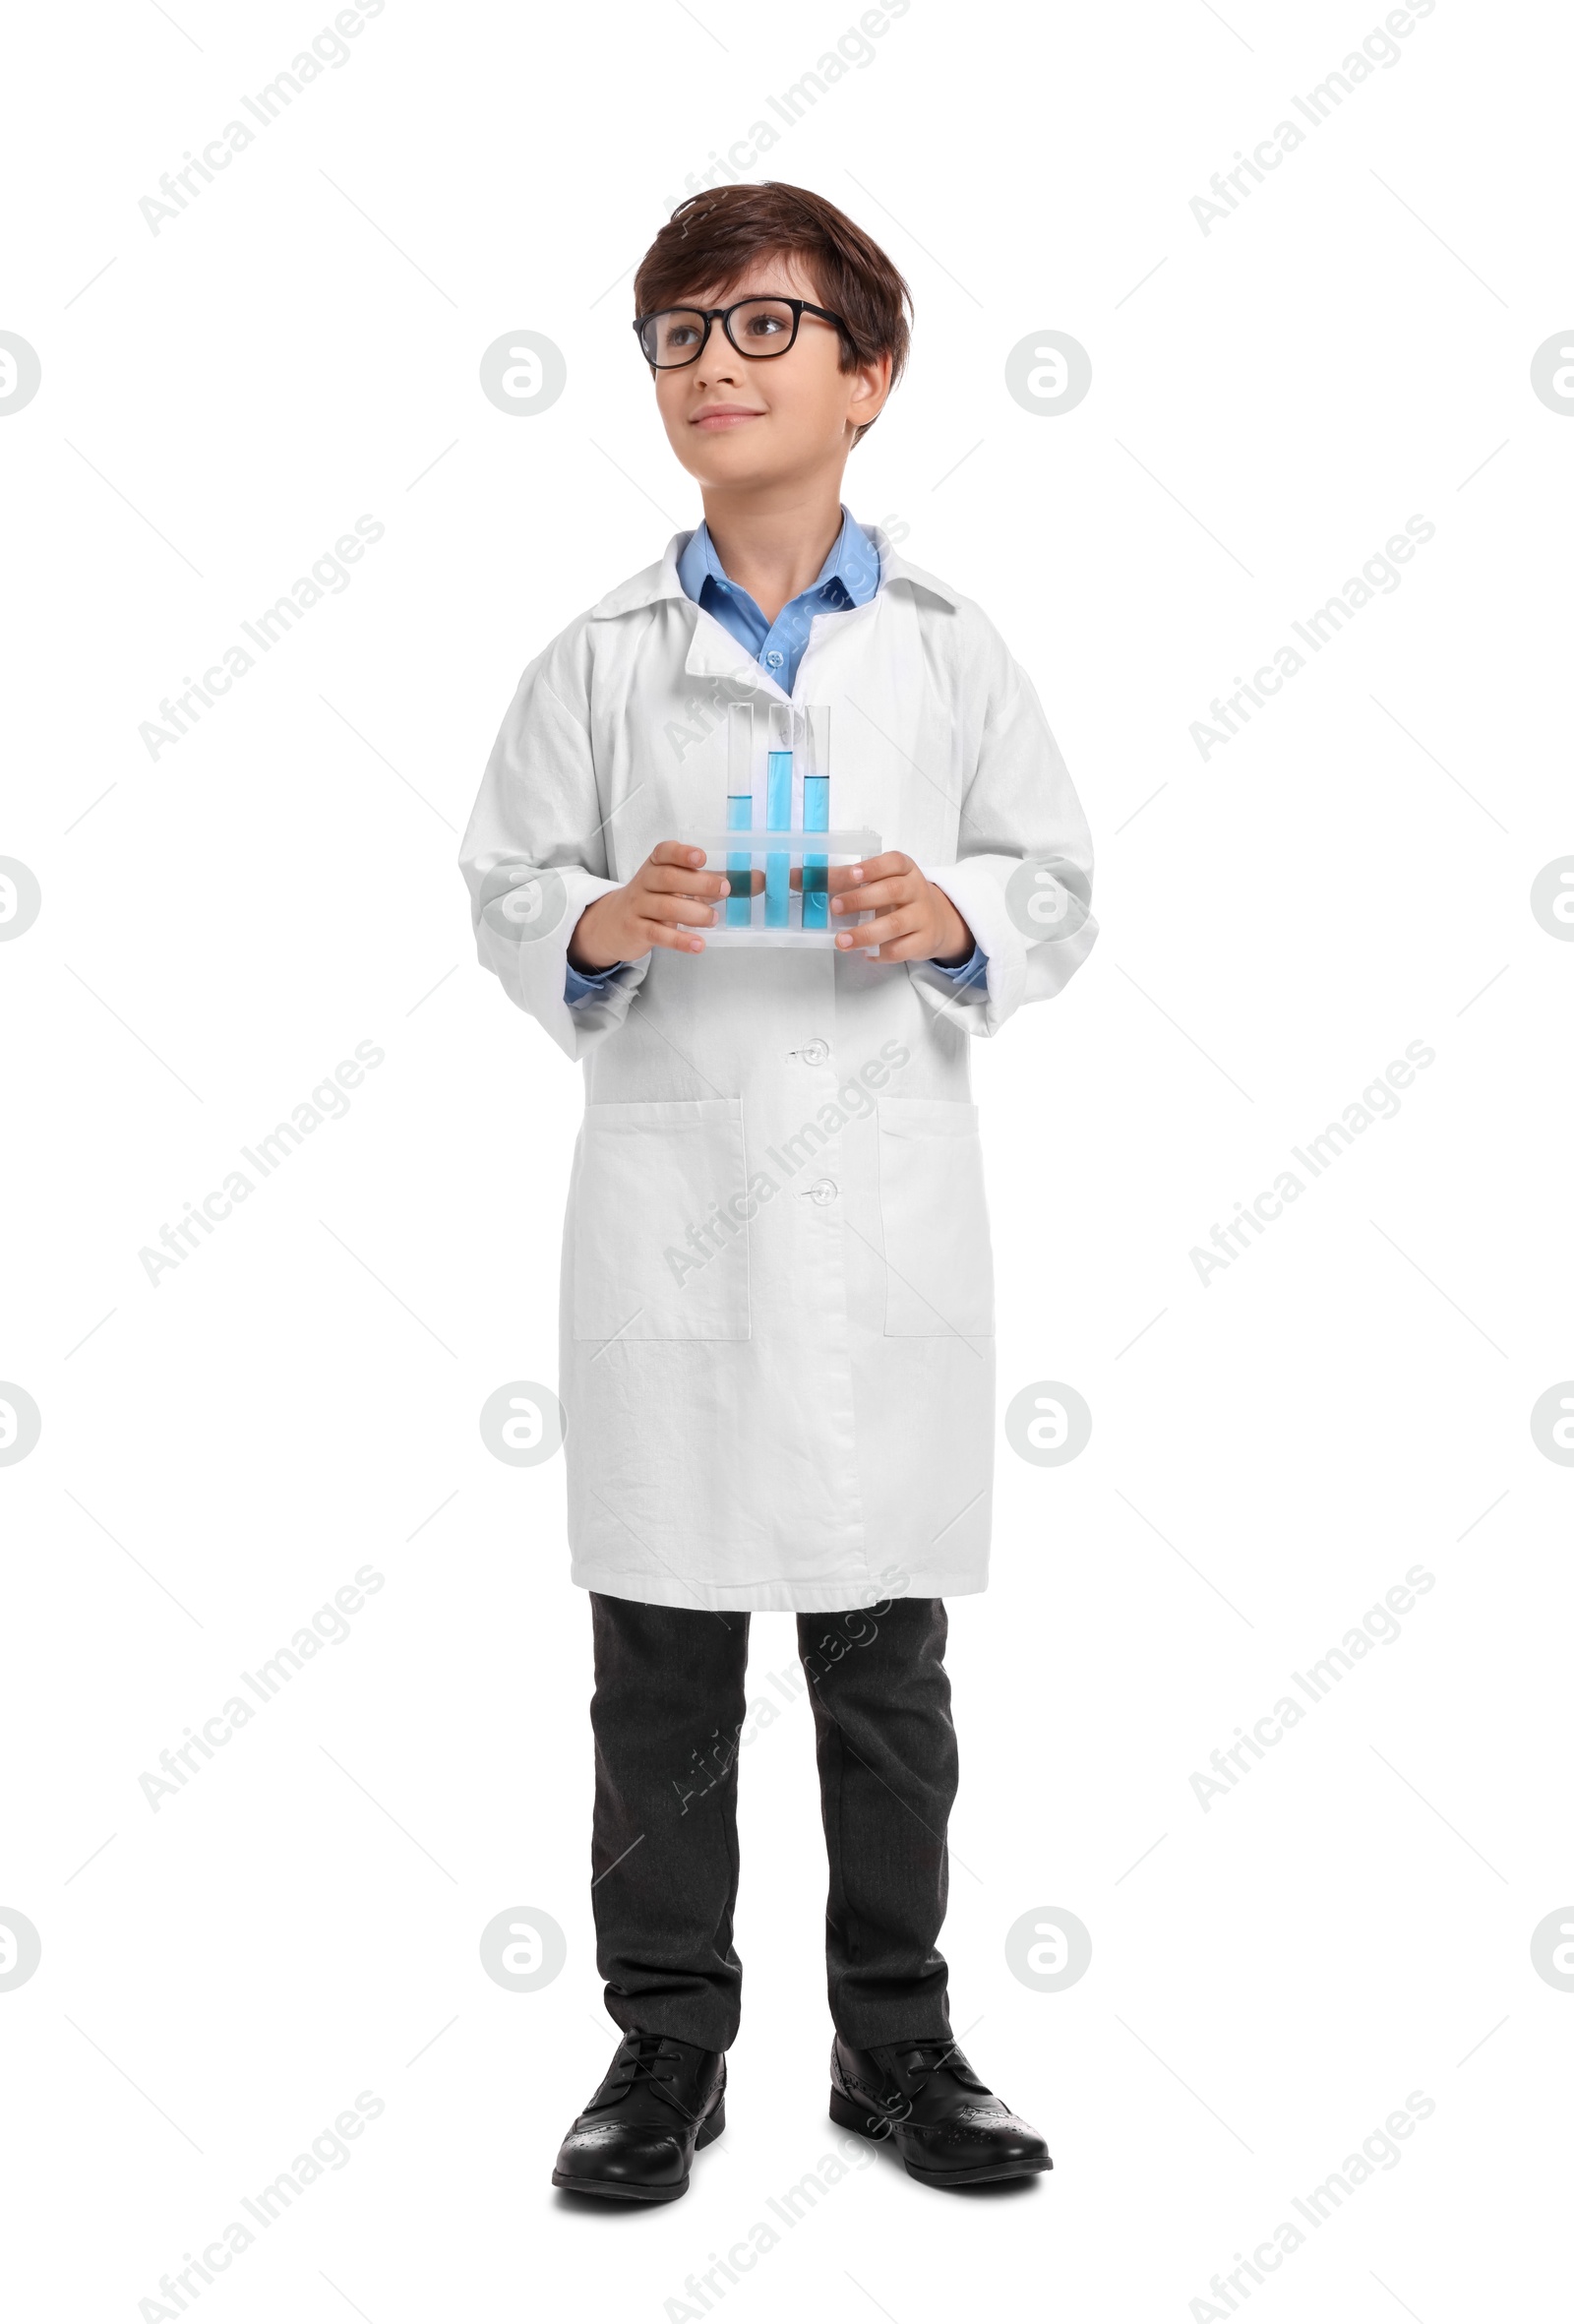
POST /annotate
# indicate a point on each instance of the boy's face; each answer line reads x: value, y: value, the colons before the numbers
x: 739, y: 423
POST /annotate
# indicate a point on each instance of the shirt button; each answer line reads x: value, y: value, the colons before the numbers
x: 774, y: 659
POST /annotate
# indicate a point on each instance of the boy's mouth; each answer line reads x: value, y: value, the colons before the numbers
x: 724, y: 415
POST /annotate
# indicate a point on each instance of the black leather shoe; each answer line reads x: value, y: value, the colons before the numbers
x: 661, y: 2099
x: 949, y: 2128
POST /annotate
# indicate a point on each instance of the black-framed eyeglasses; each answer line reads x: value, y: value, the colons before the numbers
x: 756, y: 327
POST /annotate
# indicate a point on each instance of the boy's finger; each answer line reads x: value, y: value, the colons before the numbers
x: 912, y: 944
x: 673, y: 851
x: 666, y: 911
x: 884, y: 930
x: 842, y: 877
x: 672, y: 940
x: 881, y: 895
x: 680, y: 880
x: 663, y: 882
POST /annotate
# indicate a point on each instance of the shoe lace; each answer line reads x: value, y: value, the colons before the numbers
x: 638, y: 2060
x: 922, y: 2061
x: 928, y: 2057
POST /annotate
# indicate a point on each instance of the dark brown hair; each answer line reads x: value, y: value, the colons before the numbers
x: 714, y: 237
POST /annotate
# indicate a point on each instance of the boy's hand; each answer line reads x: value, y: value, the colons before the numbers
x: 627, y: 922
x: 914, y: 919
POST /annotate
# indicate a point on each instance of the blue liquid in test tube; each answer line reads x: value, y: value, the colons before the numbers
x: 740, y: 818
x: 817, y: 813
x: 739, y: 811
x: 778, y: 817
x: 817, y: 818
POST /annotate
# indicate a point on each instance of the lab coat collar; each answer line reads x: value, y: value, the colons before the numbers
x: 661, y: 580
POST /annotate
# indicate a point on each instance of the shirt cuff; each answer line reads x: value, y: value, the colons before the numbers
x: 581, y: 988
x: 969, y: 972
x: 578, y: 988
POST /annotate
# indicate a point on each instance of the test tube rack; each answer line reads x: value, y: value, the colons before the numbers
x: 779, y: 831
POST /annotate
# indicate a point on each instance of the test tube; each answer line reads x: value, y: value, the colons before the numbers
x: 816, y: 812
x: 740, y: 809
x: 778, y: 809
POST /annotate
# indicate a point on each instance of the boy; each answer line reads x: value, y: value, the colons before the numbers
x: 777, y: 1315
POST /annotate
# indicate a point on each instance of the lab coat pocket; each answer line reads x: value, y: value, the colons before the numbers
x: 939, y: 1276
x: 659, y: 1211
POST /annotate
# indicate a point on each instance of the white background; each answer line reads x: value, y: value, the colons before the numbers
x: 220, y: 1453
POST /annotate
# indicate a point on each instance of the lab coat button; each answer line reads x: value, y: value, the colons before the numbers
x: 824, y: 1189
x: 813, y: 1053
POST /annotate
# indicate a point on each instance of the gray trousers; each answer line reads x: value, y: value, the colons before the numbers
x: 666, y: 1715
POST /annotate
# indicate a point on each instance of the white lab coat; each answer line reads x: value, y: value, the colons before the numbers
x: 777, y: 1361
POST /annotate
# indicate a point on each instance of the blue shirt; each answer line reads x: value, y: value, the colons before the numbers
x: 849, y: 577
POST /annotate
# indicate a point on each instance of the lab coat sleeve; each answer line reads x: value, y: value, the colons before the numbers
x: 1019, y: 808
x: 534, y: 855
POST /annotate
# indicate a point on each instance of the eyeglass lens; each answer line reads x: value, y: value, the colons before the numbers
x: 758, y: 326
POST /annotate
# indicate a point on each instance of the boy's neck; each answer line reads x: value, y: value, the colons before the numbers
x: 773, y: 545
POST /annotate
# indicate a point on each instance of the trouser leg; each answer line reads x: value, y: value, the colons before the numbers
x: 666, y: 1712
x: 888, y: 1778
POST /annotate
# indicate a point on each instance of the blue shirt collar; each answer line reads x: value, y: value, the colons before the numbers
x: 854, y: 561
